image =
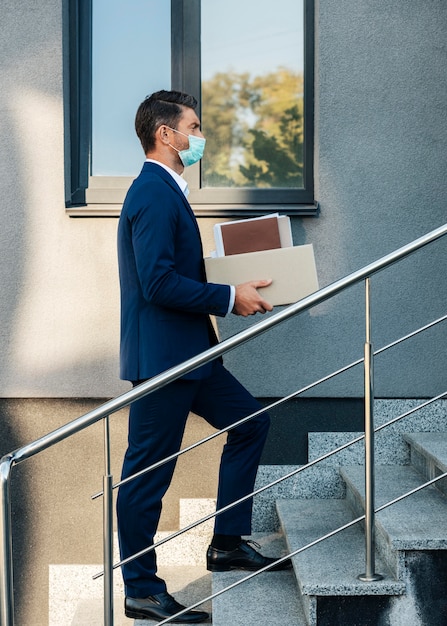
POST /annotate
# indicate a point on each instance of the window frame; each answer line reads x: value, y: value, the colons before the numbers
x: 104, y: 195
x: 77, y: 100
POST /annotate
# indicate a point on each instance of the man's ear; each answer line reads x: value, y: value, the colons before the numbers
x: 163, y: 133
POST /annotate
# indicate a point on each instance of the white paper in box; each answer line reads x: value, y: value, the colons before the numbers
x: 292, y: 270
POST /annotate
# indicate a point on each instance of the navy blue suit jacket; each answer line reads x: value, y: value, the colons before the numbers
x: 165, y: 299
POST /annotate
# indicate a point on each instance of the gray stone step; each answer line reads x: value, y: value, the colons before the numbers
x: 411, y: 535
x: 323, y: 480
x: 268, y: 599
x: 312, y: 482
x: 428, y: 453
x: 391, y: 447
x: 416, y: 523
x: 327, y: 573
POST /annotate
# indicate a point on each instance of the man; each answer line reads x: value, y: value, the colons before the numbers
x: 165, y: 308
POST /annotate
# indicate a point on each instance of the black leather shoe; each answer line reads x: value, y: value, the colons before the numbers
x: 244, y: 557
x: 159, y: 607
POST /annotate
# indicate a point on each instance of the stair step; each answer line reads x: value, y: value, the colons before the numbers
x: 314, y: 482
x: 428, y: 453
x: 90, y: 612
x: 267, y: 599
x: 411, y: 535
x: 390, y: 448
x: 188, y: 584
x: 418, y: 522
x: 327, y: 573
x: 331, y: 567
x: 432, y: 445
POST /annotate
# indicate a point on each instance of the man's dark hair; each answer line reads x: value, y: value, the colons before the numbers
x: 162, y: 107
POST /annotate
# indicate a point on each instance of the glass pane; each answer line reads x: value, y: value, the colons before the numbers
x: 131, y: 59
x: 252, y: 93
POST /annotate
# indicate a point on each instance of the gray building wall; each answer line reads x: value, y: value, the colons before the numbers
x: 380, y: 143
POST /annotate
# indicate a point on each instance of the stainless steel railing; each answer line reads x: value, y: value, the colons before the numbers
x: 277, y: 481
x: 272, y: 405
x: 103, y: 412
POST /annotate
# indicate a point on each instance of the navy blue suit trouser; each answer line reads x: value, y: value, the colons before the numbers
x: 156, y: 426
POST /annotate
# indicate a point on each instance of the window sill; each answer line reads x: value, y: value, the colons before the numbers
x: 105, y: 196
x: 216, y: 210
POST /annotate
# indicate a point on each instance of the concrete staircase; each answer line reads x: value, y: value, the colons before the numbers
x: 323, y: 589
x: 411, y: 539
x: 411, y: 556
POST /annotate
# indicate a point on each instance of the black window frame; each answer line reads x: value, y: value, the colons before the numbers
x: 103, y: 195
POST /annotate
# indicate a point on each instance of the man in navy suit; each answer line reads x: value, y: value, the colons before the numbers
x: 165, y: 308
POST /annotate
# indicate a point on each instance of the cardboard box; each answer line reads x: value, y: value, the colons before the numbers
x: 292, y: 270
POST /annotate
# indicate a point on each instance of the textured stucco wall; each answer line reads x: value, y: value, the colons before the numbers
x: 381, y: 137
x: 58, y: 308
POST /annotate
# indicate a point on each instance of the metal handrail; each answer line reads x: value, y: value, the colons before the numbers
x: 123, y: 400
x: 274, y: 483
x: 226, y: 345
x: 272, y: 405
x: 27, y: 451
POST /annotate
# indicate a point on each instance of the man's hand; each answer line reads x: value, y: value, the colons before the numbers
x: 248, y: 301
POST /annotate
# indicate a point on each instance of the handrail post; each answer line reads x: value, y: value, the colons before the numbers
x: 6, y: 565
x: 108, y: 529
x: 369, y: 574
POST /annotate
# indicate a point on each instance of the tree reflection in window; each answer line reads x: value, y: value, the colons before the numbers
x: 252, y: 81
x: 254, y: 130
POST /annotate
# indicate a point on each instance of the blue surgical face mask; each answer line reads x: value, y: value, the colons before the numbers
x: 195, y: 151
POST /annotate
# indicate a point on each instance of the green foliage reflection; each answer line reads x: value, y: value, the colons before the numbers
x: 254, y: 130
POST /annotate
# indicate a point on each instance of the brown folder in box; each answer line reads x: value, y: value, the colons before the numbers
x: 292, y: 270
x: 250, y: 235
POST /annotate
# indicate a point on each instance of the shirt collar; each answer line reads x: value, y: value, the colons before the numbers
x: 181, y: 182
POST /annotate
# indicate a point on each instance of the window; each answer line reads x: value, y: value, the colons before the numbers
x: 131, y: 48
x: 249, y: 64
